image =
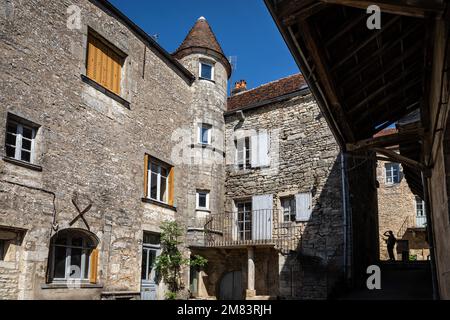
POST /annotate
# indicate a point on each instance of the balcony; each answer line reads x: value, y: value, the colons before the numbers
x: 257, y: 228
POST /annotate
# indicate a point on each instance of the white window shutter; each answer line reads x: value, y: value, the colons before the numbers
x: 262, y: 217
x: 303, y: 203
x: 263, y: 149
x: 254, y: 151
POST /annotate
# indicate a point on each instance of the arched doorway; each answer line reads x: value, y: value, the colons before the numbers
x: 231, y: 286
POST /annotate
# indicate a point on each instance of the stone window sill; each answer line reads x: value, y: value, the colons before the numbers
x: 207, y: 146
x: 66, y: 286
x: 206, y: 79
x: 23, y: 164
x: 105, y: 91
x: 203, y: 210
x: 160, y: 204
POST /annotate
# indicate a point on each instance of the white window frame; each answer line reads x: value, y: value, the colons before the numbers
x: 201, y: 67
x: 19, y: 140
x: 391, y: 173
x: 208, y: 127
x: 158, y: 182
x: 206, y: 192
x: 292, y: 213
x: 241, y: 232
x: 68, y: 246
x: 421, y: 220
x: 246, y: 153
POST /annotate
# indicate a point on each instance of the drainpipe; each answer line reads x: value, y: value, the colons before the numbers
x: 427, y: 200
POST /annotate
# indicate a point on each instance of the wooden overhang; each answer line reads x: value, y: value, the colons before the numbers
x: 364, y: 80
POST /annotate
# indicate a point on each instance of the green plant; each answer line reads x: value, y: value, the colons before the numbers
x: 169, y: 264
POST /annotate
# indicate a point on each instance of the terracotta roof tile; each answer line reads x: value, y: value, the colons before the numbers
x: 201, y: 37
x: 266, y: 92
x: 386, y: 132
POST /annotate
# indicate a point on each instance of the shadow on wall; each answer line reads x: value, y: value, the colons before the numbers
x: 317, y: 265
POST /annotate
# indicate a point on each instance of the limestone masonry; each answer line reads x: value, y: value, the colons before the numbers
x: 107, y: 135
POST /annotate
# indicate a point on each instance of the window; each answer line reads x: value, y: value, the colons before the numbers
x: 203, y: 200
x: 150, y: 251
x: 2, y: 249
x: 204, y: 133
x: 159, y: 181
x: 244, y: 220
x: 421, y: 218
x: 73, y: 256
x: 289, y: 209
x: 104, y: 63
x: 392, y: 173
x: 206, y: 71
x: 20, y: 140
x: 253, y: 151
x: 243, y: 153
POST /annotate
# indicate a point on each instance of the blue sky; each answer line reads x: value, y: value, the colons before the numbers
x: 244, y: 29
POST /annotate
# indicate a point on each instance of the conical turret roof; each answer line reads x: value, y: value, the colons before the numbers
x: 201, y: 39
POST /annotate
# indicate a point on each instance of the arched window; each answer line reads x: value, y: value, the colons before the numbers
x: 73, y: 256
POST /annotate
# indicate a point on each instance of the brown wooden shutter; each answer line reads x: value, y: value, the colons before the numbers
x: 94, y: 266
x: 171, y: 186
x: 146, y: 162
x: 104, y: 65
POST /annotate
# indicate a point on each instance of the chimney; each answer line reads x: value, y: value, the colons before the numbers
x: 239, y: 86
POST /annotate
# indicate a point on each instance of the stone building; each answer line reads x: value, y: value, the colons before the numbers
x: 106, y: 135
x: 281, y: 235
x: 399, y: 210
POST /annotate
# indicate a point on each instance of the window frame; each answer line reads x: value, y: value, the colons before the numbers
x: 208, y: 128
x: 149, y: 247
x: 85, y: 275
x: 390, y: 173
x: 206, y: 193
x: 244, y: 226
x: 200, y: 74
x: 292, y: 209
x: 19, y: 138
x: 246, y: 152
x: 169, y: 195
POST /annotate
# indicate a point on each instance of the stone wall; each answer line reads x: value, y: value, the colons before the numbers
x: 304, y: 157
x: 88, y: 144
x: 396, y: 203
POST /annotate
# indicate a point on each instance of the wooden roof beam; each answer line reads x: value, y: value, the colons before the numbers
x: 417, y: 8
x: 290, y: 12
x: 387, y: 141
x: 351, y: 52
x: 395, y: 157
x: 366, y: 63
x: 324, y: 76
x: 403, y: 76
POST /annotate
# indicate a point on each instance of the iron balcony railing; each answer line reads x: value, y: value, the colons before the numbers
x: 253, y: 228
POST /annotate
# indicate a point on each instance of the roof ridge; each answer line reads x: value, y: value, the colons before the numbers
x: 266, y: 84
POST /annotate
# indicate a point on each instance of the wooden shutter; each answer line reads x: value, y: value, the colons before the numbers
x: 303, y: 203
x: 104, y: 65
x: 263, y: 149
x: 171, y: 186
x: 93, y: 266
x: 146, y: 163
x: 262, y: 217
